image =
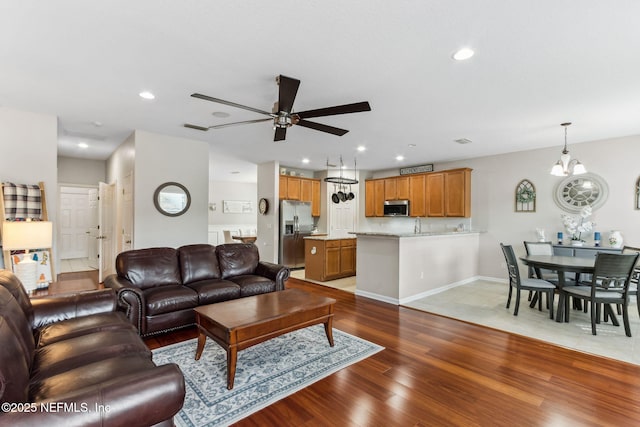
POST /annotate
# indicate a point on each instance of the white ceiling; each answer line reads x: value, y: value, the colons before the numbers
x: 537, y: 64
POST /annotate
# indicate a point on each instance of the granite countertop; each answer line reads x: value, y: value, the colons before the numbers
x: 408, y: 234
x: 326, y: 237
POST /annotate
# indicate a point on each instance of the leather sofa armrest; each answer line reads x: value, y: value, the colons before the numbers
x: 130, y: 300
x: 143, y: 398
x: 61, y: 307
x: 276, y: 272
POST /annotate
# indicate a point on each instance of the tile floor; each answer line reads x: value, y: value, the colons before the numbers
x: 483, y: 302
x: 72, y: 265
x: 346, y: 284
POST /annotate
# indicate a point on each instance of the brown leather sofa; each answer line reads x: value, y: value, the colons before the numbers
x: 73, y: 360
x: 159, y: 287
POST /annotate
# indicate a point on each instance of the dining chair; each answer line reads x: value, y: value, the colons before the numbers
x: 526, y: 284
x: 540, y: 248
x: 227, y: 237
x: 635, y: 277
x: 609, y: 285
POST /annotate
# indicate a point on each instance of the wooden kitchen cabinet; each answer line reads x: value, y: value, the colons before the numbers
x: 329, y: 259
x: 449, y: 193
x: 457, y: 186
x: 303, y: 189
x: 315, y: 197
x: 417, y: 195
x: 435, y: 194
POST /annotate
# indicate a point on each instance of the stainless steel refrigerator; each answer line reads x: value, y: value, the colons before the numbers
x: 296, y: 222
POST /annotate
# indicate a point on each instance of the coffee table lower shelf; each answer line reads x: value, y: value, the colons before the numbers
x: 238, y: 324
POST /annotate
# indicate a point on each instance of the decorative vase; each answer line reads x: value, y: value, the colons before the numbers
x: 577, y: 243
x: 615, y: 239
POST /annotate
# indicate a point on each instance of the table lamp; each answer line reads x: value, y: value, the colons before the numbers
x: 25, y: 235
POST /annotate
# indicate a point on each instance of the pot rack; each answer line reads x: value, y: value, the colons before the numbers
x: 341, y: 179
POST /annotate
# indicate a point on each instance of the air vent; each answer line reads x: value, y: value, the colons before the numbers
x: 463, y: 141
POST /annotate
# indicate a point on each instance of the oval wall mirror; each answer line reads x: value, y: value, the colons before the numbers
x: 172, y: 199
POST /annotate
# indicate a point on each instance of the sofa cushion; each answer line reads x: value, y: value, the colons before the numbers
x: 165, y: 299
x: 237, y: 258
x: 10, y: 281
x: 83, y: 325
x: 86, y: 375
x: 75, y: 352
x: 198, y: 262
x: 254, y: 285
x: 14, y: 371
x: 150, y: 267
x: 11, y: 311
x: 212, y: 291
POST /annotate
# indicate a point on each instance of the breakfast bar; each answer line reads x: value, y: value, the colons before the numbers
x: 402, y: 267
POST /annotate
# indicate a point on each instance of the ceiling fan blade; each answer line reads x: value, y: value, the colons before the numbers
x: 224, y: 125
x: 332, y: 111
x: 196, y: 127
x: 280, y: 134
x: 231, y: 104
x: 287, y: 92
x: 321, y: 127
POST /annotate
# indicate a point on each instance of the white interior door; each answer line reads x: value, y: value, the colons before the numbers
x: 93, y: 243
x: 106, y: 214
x: 74, y: 222
x: 342, y: 218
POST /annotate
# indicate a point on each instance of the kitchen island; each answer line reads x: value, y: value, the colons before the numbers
x: 329, y: 258
x: 402, y: 267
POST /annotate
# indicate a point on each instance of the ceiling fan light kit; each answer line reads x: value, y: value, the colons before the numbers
x: 283, y: 115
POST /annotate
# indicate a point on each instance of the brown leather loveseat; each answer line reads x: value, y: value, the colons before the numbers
x: 73, y: 360
x: 158, y: 288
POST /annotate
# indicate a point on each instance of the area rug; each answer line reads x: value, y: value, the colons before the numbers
x: 265, y: 373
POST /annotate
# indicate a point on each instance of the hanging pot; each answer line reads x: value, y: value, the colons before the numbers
x: 342, y: 195
x: 350, y: 196
x: 335, y: 198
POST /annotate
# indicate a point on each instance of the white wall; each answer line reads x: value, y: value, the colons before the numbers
x: 30, y: 150
x: 494, y: 180
x: 81, y: 171
x: 159, y: 159
x: 268, y: 186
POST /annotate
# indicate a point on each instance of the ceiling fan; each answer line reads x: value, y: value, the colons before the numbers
x: 283, y: 115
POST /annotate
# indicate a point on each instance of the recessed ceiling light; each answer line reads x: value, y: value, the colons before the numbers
x: 462, y: 54
x: 83, y: 145
x: 147, y: 95
x: 305, y: 160
x: 361, y: 148
x: 411, y: 145
x: 221, y: 114
x: 97, y: 123
x: 399, y: 158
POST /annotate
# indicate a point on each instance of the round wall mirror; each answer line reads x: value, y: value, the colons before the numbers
x: 172, y: 199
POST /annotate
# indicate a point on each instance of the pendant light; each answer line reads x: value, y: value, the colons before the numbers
x: 567, y: 166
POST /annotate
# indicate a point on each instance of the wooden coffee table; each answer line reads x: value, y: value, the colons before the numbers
x: 241, y: 323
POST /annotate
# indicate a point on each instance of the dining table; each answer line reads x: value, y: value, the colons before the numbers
x: 245, y: 238
x: 562, y: 265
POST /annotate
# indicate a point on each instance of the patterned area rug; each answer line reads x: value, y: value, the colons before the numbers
x: 265, y: 373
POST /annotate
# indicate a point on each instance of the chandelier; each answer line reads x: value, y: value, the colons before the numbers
x: 566, y: 165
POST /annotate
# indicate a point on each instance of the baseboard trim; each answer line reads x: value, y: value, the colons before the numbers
x: 396, y: 301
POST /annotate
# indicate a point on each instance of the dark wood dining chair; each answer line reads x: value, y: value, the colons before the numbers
x: 635, y: 277
x: 609, y: 285
x: 527, y: 284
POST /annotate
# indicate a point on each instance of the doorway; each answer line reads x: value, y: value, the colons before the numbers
x: 74, y: 225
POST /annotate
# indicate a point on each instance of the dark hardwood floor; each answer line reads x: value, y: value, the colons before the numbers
x: 439, y: 371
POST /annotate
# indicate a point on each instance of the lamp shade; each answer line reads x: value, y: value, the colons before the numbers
x: 18, y: 235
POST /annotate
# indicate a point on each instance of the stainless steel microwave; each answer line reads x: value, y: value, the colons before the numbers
x: 396, y: 208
